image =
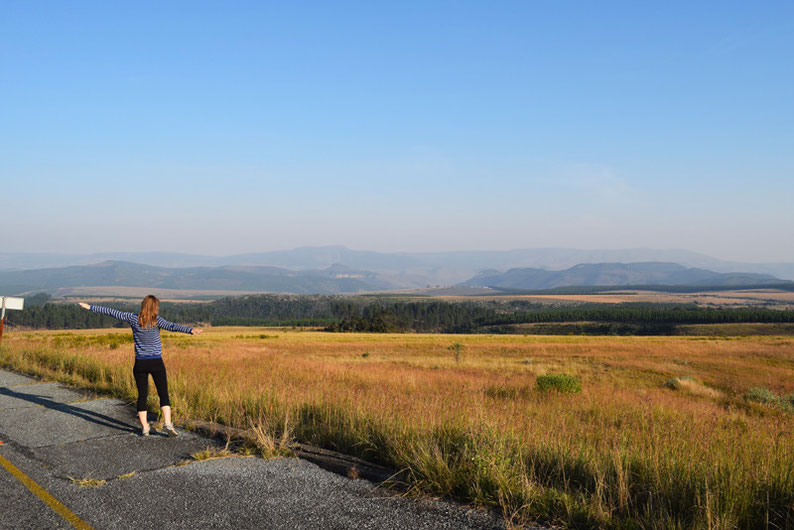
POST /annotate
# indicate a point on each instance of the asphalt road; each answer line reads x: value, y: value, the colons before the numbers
x: 52, y: 434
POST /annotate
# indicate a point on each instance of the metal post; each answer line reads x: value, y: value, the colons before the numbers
x: 2, y: 318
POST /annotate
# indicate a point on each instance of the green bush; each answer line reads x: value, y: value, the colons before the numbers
x: 766, y: 397
x: 559, y: 382
x: 762, y: 395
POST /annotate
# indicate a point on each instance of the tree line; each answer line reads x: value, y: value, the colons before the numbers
x: 375, y: 314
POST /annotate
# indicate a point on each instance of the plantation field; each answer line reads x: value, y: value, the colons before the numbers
x: 666, y: 432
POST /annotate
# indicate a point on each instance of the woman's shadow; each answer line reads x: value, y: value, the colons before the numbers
x: 87, y: 415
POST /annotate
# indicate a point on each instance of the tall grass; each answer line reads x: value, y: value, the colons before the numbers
x: 625, y: 452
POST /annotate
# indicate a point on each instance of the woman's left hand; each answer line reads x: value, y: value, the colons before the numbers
x: 197, y: 331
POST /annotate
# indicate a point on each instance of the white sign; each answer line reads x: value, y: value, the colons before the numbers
x: 9, y: 302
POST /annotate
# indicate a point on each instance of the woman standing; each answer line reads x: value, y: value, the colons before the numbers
x: 146, y: 327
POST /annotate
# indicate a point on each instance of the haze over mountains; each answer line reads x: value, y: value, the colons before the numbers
x: 336, y: 269
x: 652, y: 273
x: 464, y: 263
x: 333, y: 280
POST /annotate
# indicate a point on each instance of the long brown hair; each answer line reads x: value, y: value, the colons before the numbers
x: 149, y: 308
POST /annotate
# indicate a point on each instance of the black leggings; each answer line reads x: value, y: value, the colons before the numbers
x: 141, y: 371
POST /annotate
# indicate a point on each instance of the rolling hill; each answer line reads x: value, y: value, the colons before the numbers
x: 405, y: 269
x: 332, y: 280
x: 589, y: 274
x: 112, y: 276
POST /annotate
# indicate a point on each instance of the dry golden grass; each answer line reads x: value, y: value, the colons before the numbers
x: 749, y: 297
x: 620, y: 297
x: 211, y: 453
x: 756, y: 294
x: 87, y: 482
x: 625, y: 450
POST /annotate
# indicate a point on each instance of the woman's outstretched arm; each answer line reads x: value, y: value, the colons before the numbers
x: 170, y: 326
x: 121, y: 315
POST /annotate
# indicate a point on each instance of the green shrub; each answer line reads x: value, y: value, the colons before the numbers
x: 560, y: 382
x: 762, y: 395
x: 766, y: 397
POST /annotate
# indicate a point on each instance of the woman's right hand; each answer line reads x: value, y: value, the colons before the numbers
x: 84, y: 305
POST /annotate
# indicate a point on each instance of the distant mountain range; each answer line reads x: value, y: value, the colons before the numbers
x: 651, y: 273
x: 111, y: 276
x: 408, y: 270
x: 336, y: 279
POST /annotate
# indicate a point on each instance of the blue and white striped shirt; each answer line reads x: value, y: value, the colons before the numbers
x: 147, y: 340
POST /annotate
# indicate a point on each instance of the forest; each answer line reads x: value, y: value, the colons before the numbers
x: 386, y: 314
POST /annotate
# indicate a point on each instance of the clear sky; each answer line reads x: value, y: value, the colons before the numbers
x: 226, y: 127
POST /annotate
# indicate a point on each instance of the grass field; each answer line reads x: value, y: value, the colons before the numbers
x: 667, y: 432
x: 771, y: 298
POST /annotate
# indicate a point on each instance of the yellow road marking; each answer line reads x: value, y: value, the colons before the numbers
x: 42, y: 494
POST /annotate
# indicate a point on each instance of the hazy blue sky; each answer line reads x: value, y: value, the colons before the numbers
x: 225, y: 127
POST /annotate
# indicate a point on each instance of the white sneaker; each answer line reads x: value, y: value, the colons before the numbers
x: 169, y: 430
